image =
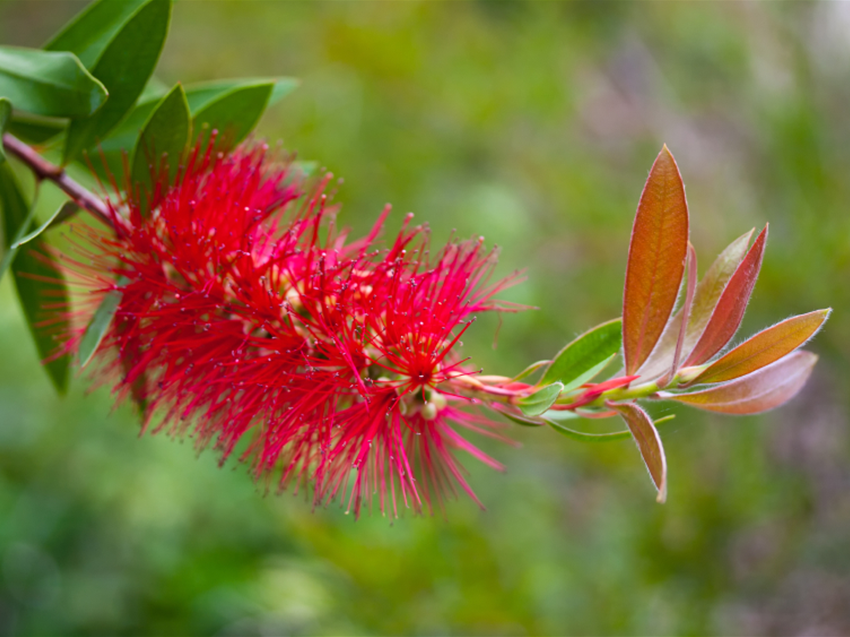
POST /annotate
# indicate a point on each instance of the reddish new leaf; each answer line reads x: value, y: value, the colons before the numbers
x: 686, y: 311
x: 707, y: 293
x: 765, y: 347
x: 765, y: 389
x: 648, y: 442
x: 727, y: 314
x: 656, y: 260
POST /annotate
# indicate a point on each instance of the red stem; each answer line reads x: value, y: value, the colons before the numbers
x: 43, y: 169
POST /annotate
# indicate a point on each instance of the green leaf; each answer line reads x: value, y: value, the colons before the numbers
x: 100, y: 322
x: 89, y: 33
x: 124, y: 67
x: 63, y: 212
x: 586, y: 437
x: 200, y: 94
x: 66, y: 211
x: 37, y: 279
x: 13, y: 233
x: 48, y: 83
x: 125, y: 136
x: 525, y: 422
x: 592, y: 373
x: 164, y: 138
x: 5, y: 116
x: 234, y: 114
x: 122, y: 139
x: 155, y: 89
x: 586, y: 356
x: 541, y: 400
x: 560, y: 414
x: 34, y: 129
x: 582, y: 436
x: 528, y: 371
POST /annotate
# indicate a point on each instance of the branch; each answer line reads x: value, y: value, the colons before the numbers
x: 43, y: 169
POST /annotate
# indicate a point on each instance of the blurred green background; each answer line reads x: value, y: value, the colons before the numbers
x: 534, y: 124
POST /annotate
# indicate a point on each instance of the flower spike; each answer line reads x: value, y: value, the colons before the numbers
x: 234, y: 319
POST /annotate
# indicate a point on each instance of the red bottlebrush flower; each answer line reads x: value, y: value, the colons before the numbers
x: 246, y: 315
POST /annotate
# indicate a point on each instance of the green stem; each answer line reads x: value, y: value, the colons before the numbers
x: 616, y: 394
x: 627, y: 393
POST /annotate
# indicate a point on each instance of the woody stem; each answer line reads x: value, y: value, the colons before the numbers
x: 43, y: 169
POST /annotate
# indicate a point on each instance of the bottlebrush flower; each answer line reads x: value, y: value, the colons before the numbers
x: 244, y: 317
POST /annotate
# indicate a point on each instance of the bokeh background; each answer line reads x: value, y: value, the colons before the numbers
x: 535, y: 125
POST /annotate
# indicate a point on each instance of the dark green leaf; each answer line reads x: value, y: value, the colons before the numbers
x: 201, y: 94
x: 155, y: 89
x: 99, y: 324
x: 63, y: 212
x: 234, y: 114
x: 122, y: 139
x: 34, y: 129
x: 585, y: 354
x: 5, y: 116
x: 164, y: 138
x: 541, y: 400
x: 66, y: 211
x: 48, y: 83
x: 88, y: 34
x: 37, y: 279
x: 16, y: 224
x: 126, y: 134
x: 124, y: 67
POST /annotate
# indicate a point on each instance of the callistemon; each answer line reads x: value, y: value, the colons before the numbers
x: 232, y: 308
x: 241, y: 311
